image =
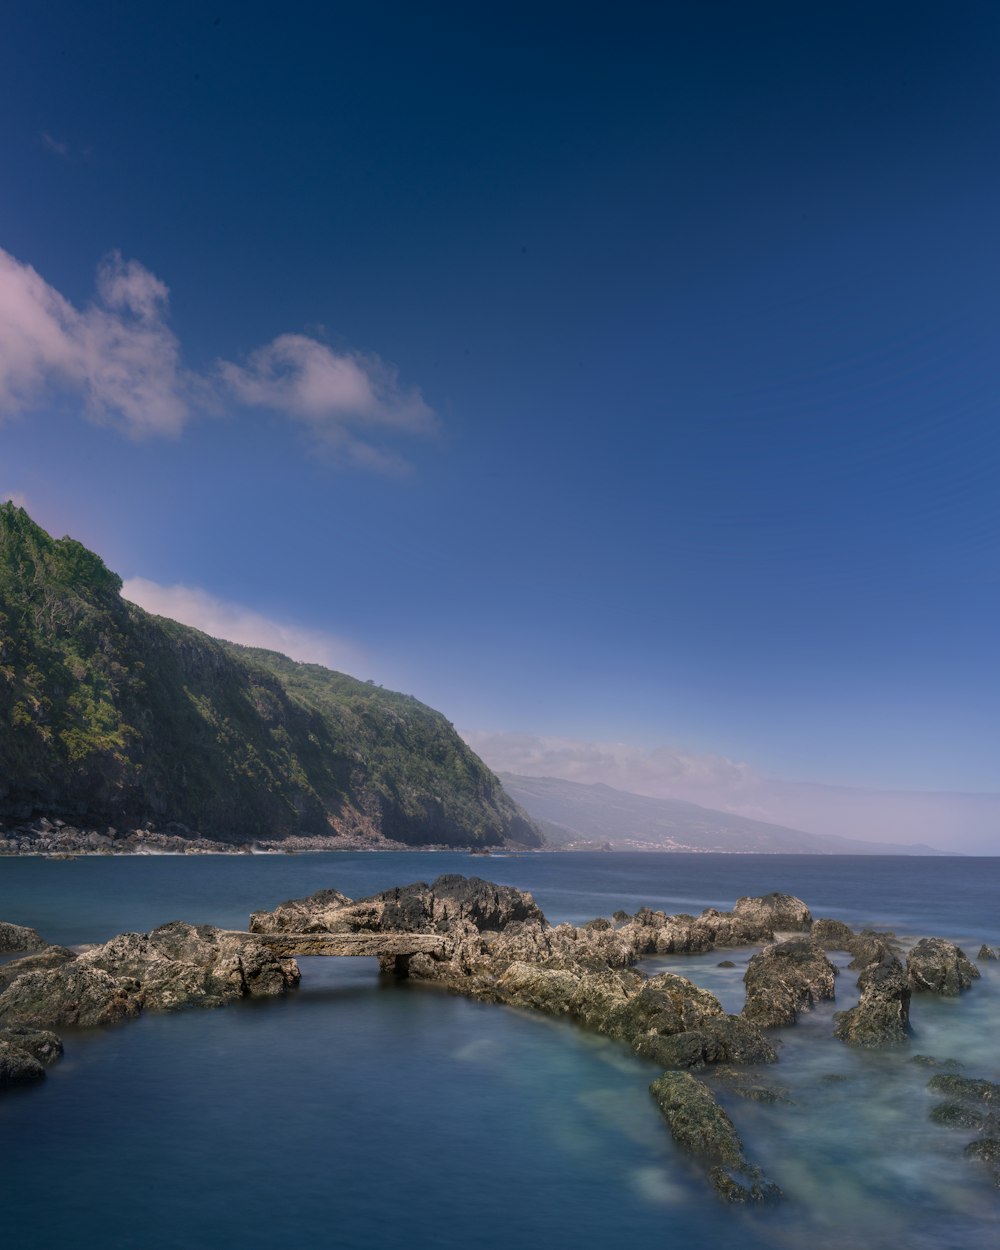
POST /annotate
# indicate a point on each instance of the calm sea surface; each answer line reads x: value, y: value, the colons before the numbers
x: 367, y: 1116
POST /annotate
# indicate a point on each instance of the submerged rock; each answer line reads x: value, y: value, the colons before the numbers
x: 787, y: 978
x: 701, y: 1127
x: 937, y: 966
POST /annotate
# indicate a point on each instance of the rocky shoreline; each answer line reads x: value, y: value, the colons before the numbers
x: 492, y: 943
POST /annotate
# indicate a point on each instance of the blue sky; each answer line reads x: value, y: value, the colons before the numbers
x: 600, y: 374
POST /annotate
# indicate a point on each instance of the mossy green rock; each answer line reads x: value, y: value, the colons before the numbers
x: 115, y: 716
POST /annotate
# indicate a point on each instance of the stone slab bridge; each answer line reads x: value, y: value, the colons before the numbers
x: 393, y: 950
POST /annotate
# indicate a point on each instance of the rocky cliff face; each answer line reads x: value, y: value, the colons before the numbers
x: 115, y: 717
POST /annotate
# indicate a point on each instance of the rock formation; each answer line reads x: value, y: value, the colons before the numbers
x: 784, y: 979
x: 939, y: 967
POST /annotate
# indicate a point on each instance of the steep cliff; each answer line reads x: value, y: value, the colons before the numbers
x: 109, y: 714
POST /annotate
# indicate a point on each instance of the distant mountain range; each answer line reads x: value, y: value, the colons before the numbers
x: 112, y: 716
x: 571, y: 814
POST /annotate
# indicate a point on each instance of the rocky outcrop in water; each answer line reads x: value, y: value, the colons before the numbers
x: 701, y: 1127
x: 988, y: 952
x: 971, y: 1104
x: 882, y: 1015
x: 15, y: 937
x: 785, y: 979
x: 175, y: 965
x: 936, y: 966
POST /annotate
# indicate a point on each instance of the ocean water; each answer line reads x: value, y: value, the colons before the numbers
x: 366, y: 1115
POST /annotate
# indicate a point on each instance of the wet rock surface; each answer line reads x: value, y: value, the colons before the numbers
x: 785, y: 979
x: 701, y: 1127
x: 971, y: 1103
x: 882, y: 1015
x: 936, y: 966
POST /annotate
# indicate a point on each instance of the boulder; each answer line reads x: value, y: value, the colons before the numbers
x: 937, y: 966
x: 50, y: 957
x: 988, y: 952
x: 784, y: 979
x: 882, y: 1016
x: 16, y: 937
x: 833, y: 935
x: 18, y: 1066
x: 42, y: 1045
x: 775, y: 913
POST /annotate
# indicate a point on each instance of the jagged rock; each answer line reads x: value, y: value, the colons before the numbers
x: 882, y: 1016
x: 71, y: 994
x: 42, y: 1045
x: 176, y: 965
x: 18, y: 1066
x: 725, y: 1039
x: 180, y: 964
x: 787, y: 978
x: 871, y: 946
x: 775, y: 912
x: 937, y: 966
x: 987, y: 952
x: 50, y: 957
x: 17, y: 937
x: 701, y: 1127
x: 833, y: 935
x: 301, y: 915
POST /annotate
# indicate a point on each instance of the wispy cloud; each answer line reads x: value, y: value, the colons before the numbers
x: 121, y: 356
x: 55, y: 145
x: 968, y: 823
x: 236, y: 623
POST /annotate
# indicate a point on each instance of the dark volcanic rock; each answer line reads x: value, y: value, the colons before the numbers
x: 42, y: 1045
x: 701, y: 1127
x: 18, y: 1066
x: 882, y: 1017
x: 16, y: 937
x: 940, y: 967
x: 787, y: 978
x: 987, y: 952
x: 965, y: 1087
x: 871, y: 946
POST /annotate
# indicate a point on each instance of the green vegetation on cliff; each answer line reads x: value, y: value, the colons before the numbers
x: 109, y: 714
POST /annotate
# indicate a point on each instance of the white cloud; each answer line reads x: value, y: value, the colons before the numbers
x: 236, y: 623
x: 118, y: 353
x: 121, y: 356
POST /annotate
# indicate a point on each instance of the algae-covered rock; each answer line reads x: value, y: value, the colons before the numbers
x: 882, y: 1016
x: 702, y: 1128
x: 18, y: 1066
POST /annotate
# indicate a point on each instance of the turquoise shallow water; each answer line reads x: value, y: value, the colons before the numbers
x: 357, y: 1114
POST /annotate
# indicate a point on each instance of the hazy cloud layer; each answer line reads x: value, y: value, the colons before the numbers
x: 236, y: 623
x: 967, y: 823
x: 121, y: 357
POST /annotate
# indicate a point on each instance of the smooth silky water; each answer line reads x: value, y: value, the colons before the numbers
x: 359, y: 1113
